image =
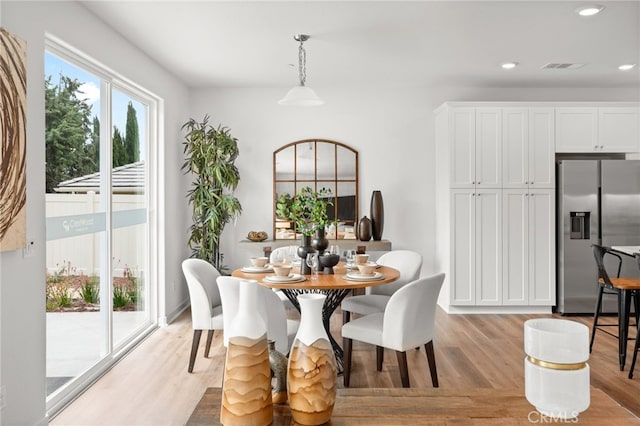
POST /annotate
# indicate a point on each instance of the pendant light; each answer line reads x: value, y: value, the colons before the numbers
x: 301, y: 95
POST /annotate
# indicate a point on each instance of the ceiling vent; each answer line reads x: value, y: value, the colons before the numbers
x: 560, y: 66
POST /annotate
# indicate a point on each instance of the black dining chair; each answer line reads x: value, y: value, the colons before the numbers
x: 624, y: 289
x: 636, y: 348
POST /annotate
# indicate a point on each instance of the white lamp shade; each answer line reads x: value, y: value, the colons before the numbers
x: 301, y: 96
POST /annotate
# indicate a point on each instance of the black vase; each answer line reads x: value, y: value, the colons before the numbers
x: 377, y: 215
x: 303, y: 250
x: 364, y: 229
x: 320, y: 243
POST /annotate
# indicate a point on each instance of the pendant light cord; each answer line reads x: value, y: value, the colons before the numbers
x: 302, y: 64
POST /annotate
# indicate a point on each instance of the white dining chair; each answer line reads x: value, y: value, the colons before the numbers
x: 279, y: 328
x: 407, y: 322
x: 375, y: 299
x: 206, y: 306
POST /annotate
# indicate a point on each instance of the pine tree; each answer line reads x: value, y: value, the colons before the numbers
x: 131, y: 137
x: 93, y: 150
x: 118, y: 149
x: 67, y: 132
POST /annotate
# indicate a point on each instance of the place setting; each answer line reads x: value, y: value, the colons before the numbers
x: 259, y: 265
x: 365, y: 272
x: 283, y: 274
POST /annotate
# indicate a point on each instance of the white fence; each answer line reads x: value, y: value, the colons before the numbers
x: 75, y: 233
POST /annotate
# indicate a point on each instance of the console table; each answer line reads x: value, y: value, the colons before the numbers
x: 267, y: 246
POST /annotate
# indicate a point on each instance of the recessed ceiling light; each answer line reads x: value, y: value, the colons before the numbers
x: 626, y: 67
x: 509, y: 65
x: 590, y: 10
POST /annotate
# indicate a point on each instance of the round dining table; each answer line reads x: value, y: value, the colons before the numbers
x: 334, y: 286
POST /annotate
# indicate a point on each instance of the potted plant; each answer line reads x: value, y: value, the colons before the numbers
x: 309, y: 212
x: 210, y: 156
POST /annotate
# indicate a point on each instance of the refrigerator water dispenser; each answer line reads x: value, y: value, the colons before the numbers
x: 580, y: 229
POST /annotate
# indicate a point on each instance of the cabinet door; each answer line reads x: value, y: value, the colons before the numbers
x: 541, y: 151
x: 515, y: 246
x: 515, y: 151
x: 618, y: 129
x: 576, y: 130
x: 488, y: 217
x: 542, y: 248
x: 462, y: 131
x: 488, y: 149
x: 463, y: 262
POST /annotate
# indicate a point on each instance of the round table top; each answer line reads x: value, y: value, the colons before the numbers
x: 334, y: 281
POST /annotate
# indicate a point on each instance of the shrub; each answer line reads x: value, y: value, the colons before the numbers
x: 120, y: 296
x: 60, y: 295
x: 90, y: 291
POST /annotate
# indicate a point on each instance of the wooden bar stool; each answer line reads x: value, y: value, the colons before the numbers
x: 625, y: 289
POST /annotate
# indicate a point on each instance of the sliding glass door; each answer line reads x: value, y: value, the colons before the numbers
x: 100, y: 298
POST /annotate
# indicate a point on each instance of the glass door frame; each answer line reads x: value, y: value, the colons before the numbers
x: 109, y: 80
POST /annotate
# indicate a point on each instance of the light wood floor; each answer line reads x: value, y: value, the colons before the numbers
x: 151, y: 385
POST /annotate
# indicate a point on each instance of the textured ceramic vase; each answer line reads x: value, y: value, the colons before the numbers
x: 278, y: 364
x: 320, y: 242
x: 305, y: 247
x: 377, y: 215
x: 312, y: 372
x: 364, y: 229
x: 246, y: 388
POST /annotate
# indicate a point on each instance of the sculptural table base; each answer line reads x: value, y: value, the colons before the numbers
x: 331, y: 303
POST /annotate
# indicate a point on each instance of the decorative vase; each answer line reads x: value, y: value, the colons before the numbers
x: 364, y: 229
x: 246, y: 388
x: 312, y: 371
x: 278, y: 364
x: 320, y: 242
x: 305, y: 248
x: 377, y: 215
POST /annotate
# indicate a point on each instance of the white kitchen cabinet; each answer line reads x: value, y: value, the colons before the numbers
x: 528, y: 148
x: 597, y: 130
x: 528, y: 247
x: 618, y: 129
x: 476, y: 260
x: 475, y: 135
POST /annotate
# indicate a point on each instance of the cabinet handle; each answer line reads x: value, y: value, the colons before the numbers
x: 478, y: 182
x: 473, y: 183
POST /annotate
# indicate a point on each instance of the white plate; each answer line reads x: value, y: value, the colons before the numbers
x: 292, y: 278
x: 356, y: 276
x: 355, y: 268
x: 257, y: 269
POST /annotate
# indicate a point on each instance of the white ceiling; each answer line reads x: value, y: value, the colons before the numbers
x: 383, y: 43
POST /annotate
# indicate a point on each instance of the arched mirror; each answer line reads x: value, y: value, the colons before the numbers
x: 316, y: 163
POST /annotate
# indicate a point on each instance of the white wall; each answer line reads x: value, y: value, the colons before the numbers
x: 393, y: 130
x: 22, y: 280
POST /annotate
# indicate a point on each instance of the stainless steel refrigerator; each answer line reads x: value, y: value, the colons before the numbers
x: 598, y: 202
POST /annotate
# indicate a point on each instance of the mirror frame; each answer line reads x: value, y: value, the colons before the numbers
x: 299, y: 183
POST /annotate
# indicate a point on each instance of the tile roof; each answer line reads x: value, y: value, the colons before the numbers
x: 125, y: 179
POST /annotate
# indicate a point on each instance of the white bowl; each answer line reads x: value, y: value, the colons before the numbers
x: 282, y: 269
x: 367, y: 268
x: 259, y: 262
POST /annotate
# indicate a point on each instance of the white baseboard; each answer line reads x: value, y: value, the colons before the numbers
x: 455, y: 310
x: 169, y: 318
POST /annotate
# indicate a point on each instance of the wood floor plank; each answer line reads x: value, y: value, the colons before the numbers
x: 151, y: 386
